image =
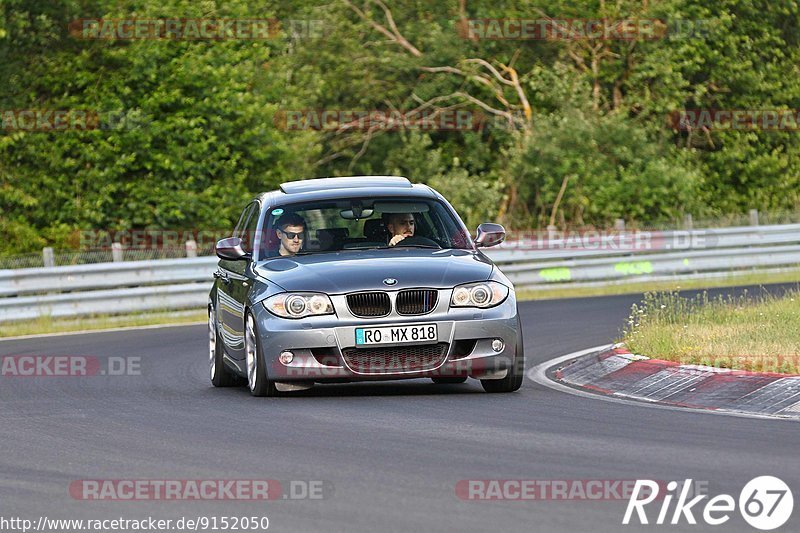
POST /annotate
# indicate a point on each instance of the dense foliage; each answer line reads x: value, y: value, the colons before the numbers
x: 191, y: 129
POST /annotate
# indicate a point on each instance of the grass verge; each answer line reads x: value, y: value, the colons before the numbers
x: 99, y: 322
x: 791, y: 276
x: 742, y: 333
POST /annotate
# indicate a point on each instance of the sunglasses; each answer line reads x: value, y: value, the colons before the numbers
x: 291, y: 235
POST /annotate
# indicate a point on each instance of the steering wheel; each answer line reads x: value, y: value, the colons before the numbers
x: 417, y: 240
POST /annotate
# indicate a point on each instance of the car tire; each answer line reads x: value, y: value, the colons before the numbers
x: 449, y: 380
x: 257, y: 378
x: 220, y: 376
x: 513, y: 380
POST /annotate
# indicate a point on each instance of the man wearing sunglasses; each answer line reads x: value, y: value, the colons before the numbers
x: 290, y: 229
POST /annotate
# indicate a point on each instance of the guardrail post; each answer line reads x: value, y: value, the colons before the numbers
x: 688, y: 222
x: 116, y: 252
x: 619, y: 224
x: 191, y: 248
x: 754, y: 217
x: 48, y: 258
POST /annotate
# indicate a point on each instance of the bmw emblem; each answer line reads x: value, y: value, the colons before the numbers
x: 390, y: 281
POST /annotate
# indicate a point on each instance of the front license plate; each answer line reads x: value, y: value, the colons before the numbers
x: 421, y: 334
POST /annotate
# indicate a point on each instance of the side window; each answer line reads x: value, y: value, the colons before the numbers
x: 249, y: 218
x: 249, y: 238
x: 237, y: 232
x: 445, y: 229
x: 428, y: 222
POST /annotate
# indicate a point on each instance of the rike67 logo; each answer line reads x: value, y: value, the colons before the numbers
x: 765, y: 503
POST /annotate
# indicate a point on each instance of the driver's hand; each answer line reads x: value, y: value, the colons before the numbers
x: 396, y: 239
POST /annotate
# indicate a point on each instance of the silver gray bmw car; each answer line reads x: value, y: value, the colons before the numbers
x: 366, y: 278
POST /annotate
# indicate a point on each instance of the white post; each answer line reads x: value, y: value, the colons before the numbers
x: 191, y: 248
x: 116, y: 252
x: 48, y: 258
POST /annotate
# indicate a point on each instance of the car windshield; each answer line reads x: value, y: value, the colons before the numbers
x: 360, y: 223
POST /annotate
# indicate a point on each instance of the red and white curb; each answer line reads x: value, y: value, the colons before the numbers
x: 615, y: 373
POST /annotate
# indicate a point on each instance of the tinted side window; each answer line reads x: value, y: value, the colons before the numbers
x: 249, y: 237
x: 237, y: 231
x: 242, y: 230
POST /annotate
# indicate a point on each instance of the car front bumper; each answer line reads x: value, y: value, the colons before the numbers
x: 324, y: 350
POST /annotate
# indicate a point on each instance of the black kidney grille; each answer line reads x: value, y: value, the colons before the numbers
x: 369, y: 303
x: 388, y: 360
x: 416, y: 302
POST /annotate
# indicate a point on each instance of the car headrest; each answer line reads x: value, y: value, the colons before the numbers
x: 374, y: 230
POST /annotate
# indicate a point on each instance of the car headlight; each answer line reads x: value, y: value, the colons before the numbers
x: 299, y: 304
x: 482, y: 294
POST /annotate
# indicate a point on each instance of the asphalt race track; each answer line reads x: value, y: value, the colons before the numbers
x: 389, y: 455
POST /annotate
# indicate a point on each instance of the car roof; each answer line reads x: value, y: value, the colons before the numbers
x: 350, y: 182
x: 346, y: 187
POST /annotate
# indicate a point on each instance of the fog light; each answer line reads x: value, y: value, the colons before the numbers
x: 498, y: 345
x: 286, y: 357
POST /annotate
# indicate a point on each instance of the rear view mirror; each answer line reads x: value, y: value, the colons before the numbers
x: 356, y: 211
x: 489, y: 235
x: 355, y: 214
x: 230, y: 248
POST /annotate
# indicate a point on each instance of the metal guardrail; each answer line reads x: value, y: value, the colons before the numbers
x: 18, y: 282
x: 105, y: 288
x: 173, y: 284
x: 702, y: 253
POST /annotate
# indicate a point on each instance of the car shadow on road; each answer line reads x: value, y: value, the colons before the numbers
x: 410, y: 388
x: 390, y: 389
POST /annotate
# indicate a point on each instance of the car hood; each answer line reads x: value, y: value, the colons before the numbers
x: 358, y: 270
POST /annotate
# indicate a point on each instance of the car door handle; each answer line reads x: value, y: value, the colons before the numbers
x: 220, y: 275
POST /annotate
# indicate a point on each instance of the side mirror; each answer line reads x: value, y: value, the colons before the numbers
x: 230, y: 248
x: 489, y: 235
